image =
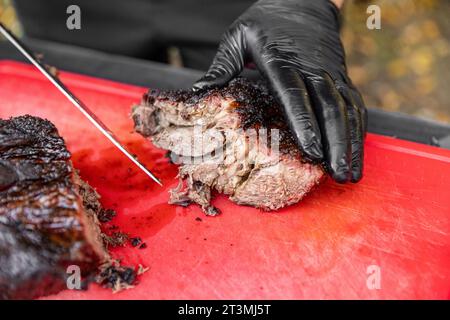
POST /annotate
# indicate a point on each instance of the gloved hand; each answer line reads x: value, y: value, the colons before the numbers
x: 295, y: 44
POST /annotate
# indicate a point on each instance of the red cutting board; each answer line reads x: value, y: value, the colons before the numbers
x: 395, y: 222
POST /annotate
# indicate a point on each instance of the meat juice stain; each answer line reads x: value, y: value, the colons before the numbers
x: 114, y: 171
x: 119, y: 182
x: 153, y: 220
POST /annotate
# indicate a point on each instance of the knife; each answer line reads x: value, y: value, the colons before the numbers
x: 75, y: 101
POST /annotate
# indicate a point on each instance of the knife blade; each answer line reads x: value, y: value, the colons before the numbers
x: 75, y: 101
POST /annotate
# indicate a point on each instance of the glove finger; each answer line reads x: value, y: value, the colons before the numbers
x: 228, y: 62
x: 356, y: 133
x: 331, y: 112
x: 359, y: 102
x: 289, y: 89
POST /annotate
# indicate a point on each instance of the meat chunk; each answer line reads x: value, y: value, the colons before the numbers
x: 233, y: 140
x: 47, y: 213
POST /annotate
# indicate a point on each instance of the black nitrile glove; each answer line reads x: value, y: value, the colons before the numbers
x: 295, y: 44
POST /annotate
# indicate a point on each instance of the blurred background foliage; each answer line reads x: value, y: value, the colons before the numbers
x: 403, y: 67
x: 8, y: 16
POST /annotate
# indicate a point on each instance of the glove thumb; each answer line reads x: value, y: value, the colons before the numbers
x: 228, y: 62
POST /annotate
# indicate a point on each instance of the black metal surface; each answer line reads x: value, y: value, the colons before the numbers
x: 98, y: 64
x: 410, y: 128
x: 158, y: 75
